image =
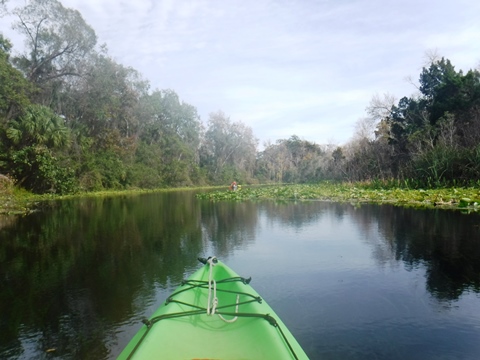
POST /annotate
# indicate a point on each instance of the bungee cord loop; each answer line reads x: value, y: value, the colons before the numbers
x: 211, y: 281
x: 212, y: 302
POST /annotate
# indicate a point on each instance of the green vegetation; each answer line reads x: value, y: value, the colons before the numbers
x: 73, y: 120
x: 463, y: 198
x: 19, y: 201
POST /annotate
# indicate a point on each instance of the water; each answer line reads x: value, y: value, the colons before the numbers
x: 368, y: 282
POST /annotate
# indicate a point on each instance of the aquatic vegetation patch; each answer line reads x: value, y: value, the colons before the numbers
x: 464, y: 198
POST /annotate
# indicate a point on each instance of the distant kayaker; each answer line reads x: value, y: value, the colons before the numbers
x: 234, y: 186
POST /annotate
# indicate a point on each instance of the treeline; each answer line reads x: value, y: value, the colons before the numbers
x: 431, y: 139
x: 72, y: 118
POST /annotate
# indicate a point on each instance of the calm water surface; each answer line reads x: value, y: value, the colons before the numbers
x: 368, y: 282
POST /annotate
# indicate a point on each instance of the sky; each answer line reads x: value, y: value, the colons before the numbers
x: 284, y: 67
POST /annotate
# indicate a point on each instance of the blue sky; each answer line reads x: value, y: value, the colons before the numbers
x: 296, y: 67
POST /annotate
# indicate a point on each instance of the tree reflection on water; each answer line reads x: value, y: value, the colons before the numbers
x: 69, y: 275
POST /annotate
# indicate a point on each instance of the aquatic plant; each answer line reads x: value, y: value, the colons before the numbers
x: 356, y: 193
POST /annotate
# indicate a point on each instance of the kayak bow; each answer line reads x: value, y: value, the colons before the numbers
x: 214, y: 314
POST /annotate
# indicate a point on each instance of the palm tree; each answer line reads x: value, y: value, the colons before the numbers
x: 38, y: 126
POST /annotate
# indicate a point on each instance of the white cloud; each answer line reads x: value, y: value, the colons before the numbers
x: 307, y: 67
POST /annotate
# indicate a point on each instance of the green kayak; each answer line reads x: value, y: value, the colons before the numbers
x: 215, y: 314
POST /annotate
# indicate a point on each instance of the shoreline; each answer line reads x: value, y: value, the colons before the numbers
x: 21, y: 202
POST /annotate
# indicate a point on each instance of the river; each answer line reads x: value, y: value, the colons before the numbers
x: 349, y: 281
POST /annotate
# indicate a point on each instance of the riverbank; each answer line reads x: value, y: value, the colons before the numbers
x: 17, y: 201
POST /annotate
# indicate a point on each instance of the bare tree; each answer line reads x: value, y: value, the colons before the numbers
x: 431, y: 56
x: 380, y: 106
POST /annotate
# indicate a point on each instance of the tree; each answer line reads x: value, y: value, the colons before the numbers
x: 447, y: 90
x: 105, y: 98
x: 229, y: 149
x: 337, y: 164
x: 380, y: 108
x: 292, y: 160
x: 273, y: 162
x: 171, y: 128
x: 14, y: 89
x: 57, y: 38
x: 443, y: 89
x: 164, y: 115
x: 38, y: 126
x: 306, y: 158
x: 30, y: 157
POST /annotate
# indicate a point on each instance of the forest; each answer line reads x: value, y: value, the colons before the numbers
x: 72, y: 119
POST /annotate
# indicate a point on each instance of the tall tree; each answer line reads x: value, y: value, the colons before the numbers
x: 443, y: 89
x: 173, y: 129
x: 229, y: 149
x: 14, y: 88
x: 57, y: 39
x: 292, y: 160
x: 165, y: 115
x: 447, y: 90
x: 106, y: 98
x: 101, y: 107
x: 273, y: 162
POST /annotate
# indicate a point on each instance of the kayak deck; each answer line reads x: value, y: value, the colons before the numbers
x: 215, y: 314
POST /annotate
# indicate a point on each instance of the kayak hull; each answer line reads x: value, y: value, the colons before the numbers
x: 215, y: 314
